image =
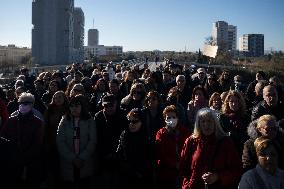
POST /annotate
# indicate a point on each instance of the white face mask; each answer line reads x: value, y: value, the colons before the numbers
x: 172, y: 123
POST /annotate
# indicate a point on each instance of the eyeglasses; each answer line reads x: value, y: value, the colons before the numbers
x: 134, y: 121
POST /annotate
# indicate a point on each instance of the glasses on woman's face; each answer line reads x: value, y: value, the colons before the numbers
x: 134, y: 121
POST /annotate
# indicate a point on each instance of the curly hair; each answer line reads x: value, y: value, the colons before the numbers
x: 226, y: 108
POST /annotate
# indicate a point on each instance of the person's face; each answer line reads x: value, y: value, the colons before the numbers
x: 198, y: 95
x: 18, y: 92
x: 268, y: 159
x: 217, y: 103
x: 105, y: 76
x: 201, y: 75
x: 58, y: 99
x: 113, y: 88
x: 270, y: 96
x: 180, y: 82
x: 78, y: 77
x: 109, y: 108
x: 153, y: 102
x: 130, y: 77
x: 171, y: 115
x: 268, y: 129
x: 101, y: 86
x: 234, y: 103
x: 38, y: 86
x: 207, y: 126
x: 258, y: 77
x: 76, y: 91
x: 75, y: 109
x: 137, y: 94
x: 258, y: 89
x: 53, y: 87
x: 210, y: 81
x: 226, y: 75
x: 166, y: 77
x: 134, y: 124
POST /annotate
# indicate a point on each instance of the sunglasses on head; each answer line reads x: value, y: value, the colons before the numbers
x: 133, y: 121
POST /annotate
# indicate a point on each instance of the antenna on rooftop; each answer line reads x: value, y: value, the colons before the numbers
x: 93, y: 23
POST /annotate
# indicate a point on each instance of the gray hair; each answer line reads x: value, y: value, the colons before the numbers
x: 207, y: 112
x: 26, y: 97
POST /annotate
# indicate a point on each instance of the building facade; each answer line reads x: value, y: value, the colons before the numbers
x: 220, y: 35
x: 232, y: 38
x: 78, y: 25
x: 93, y: 37
x: 53, y: 40
x: 101, y: 50
x: 12, y: 54
x: 252, y: 45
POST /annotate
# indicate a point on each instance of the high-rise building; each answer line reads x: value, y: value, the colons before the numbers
x: 93, y: 37
x: 232, y: 37
x: 220, y: 35
x: 78, y: 25
x: 53, y: 32
x: 252, y: 45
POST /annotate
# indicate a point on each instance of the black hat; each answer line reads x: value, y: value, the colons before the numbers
x: 108, y: 99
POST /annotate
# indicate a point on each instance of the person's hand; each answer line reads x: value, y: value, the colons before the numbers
x: 210, y: 178
x: 78, y: 163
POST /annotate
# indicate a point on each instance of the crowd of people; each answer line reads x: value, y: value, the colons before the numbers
x: 126, y: 126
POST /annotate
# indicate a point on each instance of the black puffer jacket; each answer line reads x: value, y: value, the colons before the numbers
x: 262, y: 108
x: 249, y: 158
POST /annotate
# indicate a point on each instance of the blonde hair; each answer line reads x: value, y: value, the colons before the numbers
x: 262, y: 143
x: 265, y: 118
x: 207, y: 112
x: 226, y: 107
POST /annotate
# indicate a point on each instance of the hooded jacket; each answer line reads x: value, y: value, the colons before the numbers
x: 249, y: 157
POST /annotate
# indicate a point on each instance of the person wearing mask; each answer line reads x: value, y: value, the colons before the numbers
x: 26, y: 131
x: 169, y: 143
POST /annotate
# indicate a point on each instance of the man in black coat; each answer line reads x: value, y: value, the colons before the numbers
x: 270, y: 104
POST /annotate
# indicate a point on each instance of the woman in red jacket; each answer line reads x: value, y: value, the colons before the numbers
x: 169, y: 143
x: 209, y: 157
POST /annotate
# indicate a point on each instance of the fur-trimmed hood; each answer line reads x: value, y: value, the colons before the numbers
x: 253, y: 134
